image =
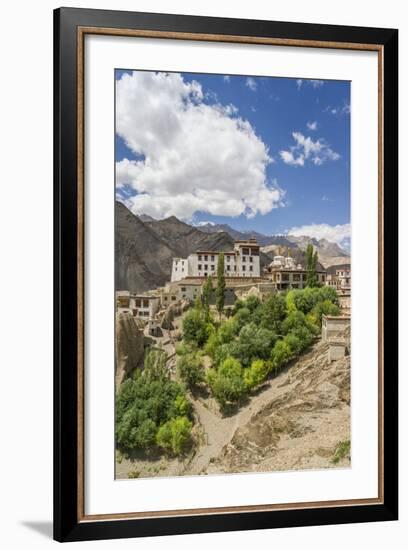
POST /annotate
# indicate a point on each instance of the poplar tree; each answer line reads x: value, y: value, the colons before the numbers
x: 220, y: 290
x: 311, y: 267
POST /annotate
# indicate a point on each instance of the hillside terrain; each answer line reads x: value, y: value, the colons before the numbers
x: 299, y: 419
x: 145, y: 247
x: 300, y: 424
x: 144, y: 250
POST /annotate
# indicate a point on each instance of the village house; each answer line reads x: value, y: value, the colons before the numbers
x: 333, y: 330
x: 284, y: 273
x: 144, y: 306
x: 243, y: 261
x: 339, y: 277
x: 122, y: 299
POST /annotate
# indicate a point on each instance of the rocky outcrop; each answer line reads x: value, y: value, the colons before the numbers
x: 129, y: 346
x: 173, y: 311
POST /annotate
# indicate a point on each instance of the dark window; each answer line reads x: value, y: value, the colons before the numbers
x: 199, y: 267
x: 251, y: 259
x: 243, y: 268
x: 199, y: 258
x: 213, y: 258
x: 206, y: 258
x: 228, y: 258
x: 228, y: 268
x: 173, y: 298
x: 138, y: 303
x: 213, y: 267
x: 285, y: 277
x: 250, y: 268
x: 245, y: 251
x: 243, y: 259
x: 206, y: 267
x: 183, y: 289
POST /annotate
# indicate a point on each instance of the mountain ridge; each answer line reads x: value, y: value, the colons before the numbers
x: 145, y: 247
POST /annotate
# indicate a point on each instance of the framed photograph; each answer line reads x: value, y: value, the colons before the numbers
x: 225, y: 274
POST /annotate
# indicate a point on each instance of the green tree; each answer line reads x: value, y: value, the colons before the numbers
x: 254, y: 343
x: 206, y: 295
x: 195, y: 326
x: 255, y: 374
x: 227, y: 382
x: 311, y: 267
x: 220, y: 290
x: 191, y: 370
x: 174, y: 434
x: 280, y: 355
x: 273, y: 312
x: 143, y: 404
x: 155, y: 367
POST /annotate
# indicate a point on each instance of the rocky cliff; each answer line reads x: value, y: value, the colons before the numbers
x: 129, y: 346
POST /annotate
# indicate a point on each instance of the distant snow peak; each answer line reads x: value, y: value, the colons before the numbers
x: 204, y: 224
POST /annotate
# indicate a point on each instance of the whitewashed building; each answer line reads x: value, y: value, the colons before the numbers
x: 285, y: 274
x: 145, y: 306
x: 243, y: 261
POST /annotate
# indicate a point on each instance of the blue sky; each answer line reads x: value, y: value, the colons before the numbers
x: 298, y: 143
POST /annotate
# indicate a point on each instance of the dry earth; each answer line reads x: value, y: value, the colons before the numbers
x: 295, y: 421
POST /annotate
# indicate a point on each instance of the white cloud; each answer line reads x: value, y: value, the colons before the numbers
x: 339, y: 234
x: 316, y: 152
x: 338, y: 109
x: 316, y: 83
x: 226, y: 78
x: 312, y: 125
x: 195, y: 156
x: 251, y: 83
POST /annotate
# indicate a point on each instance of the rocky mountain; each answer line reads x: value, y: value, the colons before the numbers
x: 329, y: 253
x: 263, y: 240
x: 144, y: 249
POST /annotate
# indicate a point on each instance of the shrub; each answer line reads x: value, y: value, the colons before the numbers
x: 341, y: 451
x: 325, y: 308
x: 254, y: 343
x: 294, y: 343
x: 190, y: 369
x: 227, y: 383
x: 256, y: 373
x: 195, y: 327
x: 174, y: 434
x: 223, y: 351
x: 294, y: 320
x: 273, y: 312
x: 280, y: 355
x: 143, y: 404
x: 242, y: 317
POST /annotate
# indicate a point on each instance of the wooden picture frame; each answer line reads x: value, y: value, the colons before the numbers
x: 70, y: 27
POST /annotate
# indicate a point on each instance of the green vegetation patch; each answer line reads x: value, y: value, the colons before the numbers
x: 149, y: 401
x: 341, y: 451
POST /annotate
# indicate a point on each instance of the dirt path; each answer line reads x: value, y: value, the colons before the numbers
x: 220, y: 430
